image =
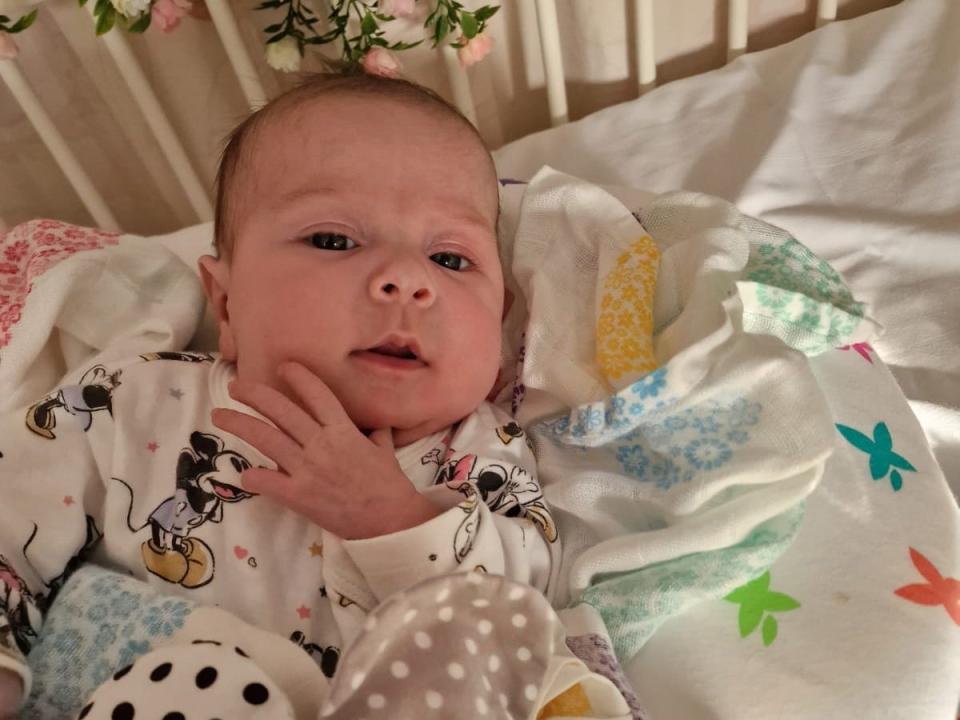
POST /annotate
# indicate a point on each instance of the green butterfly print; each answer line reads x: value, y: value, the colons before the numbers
x: 880, y: 450
x: 755, y: 600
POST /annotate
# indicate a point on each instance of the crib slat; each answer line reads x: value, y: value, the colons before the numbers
x: 549, y: 30
x: 157, y: 120
x: 737, y: 26
x: 826, y: 11
x: 459, y: 84
x: 57, y: 145
x: 646, y: 49
x: 243, y: 66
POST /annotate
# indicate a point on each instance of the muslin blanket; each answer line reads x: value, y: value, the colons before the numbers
x: 746, y: 500
x: 733, y: 469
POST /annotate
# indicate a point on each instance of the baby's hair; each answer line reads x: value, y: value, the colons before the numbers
x: 310, y: 88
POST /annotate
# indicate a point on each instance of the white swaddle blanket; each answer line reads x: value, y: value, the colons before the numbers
x: 764, y: 499
x: 679, y: 425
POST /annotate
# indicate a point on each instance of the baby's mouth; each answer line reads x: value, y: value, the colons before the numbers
x: 399, y: 351
x: 394, y: 352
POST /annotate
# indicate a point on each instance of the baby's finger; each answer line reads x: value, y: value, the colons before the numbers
x: 317, y: 398
x: 281, y: 488
x: 270, y: 441
x: 278, y: 408
x: 382, y: 437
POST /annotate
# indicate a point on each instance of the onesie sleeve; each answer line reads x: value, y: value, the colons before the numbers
x: 52, y: 491
x: 495, y: 521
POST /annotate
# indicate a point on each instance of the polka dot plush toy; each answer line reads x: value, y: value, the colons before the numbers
x: 205, y: 680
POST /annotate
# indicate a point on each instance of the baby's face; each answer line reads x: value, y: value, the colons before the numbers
x: 363, y: 222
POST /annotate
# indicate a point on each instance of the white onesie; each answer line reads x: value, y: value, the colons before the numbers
x: 125, y: 469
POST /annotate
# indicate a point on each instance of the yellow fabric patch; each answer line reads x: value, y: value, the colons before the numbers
x: 625, y: 322
x: 572, y: 702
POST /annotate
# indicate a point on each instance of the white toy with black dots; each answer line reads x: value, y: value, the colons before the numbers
x: 199, y: 681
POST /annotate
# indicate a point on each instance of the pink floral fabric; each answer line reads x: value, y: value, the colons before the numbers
x: 29, y: 250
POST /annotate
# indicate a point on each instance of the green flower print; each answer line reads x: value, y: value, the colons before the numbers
x: 756, y: 600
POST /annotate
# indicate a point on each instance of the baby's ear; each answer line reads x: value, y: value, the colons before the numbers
x: 215, y: 276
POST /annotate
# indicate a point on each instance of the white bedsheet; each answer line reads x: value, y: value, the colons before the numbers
x: 849, y: 137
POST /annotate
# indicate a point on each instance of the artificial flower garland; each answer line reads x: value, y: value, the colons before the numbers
x: 357, y: 24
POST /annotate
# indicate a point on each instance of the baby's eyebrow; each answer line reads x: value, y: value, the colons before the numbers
x: 298, y: 195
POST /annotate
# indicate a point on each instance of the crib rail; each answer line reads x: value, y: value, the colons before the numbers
x: 255, y: 94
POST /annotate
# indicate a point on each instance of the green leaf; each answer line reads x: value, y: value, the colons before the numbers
x: 368, y: 24
x: 106, y: 20
x: 24, y: 22
x: 100, y: 7
x: 404, y: 45
x: 142, y: 23
x: 486, y: 12
x: 769, y: 630
x: 82, y: 2
x: 4, y: 19
x: 273, y: 28
x: 469, y: 24
x: 779, y: 602
x: 749, y: 618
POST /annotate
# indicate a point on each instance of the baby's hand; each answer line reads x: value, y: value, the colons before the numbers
x: 11, y: 692
x: 327, y: 469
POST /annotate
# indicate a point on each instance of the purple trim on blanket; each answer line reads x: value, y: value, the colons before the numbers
x: 598, y: 656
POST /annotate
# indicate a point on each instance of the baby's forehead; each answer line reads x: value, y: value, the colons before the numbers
x: 426, y: 130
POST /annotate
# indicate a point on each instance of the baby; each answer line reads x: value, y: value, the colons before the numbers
x: 339, y: 448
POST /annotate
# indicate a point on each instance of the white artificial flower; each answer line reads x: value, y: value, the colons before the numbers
x: 284, y: 55
x: 131, y: 8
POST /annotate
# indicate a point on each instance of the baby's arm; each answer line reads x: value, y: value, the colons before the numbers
x: 496, y: 521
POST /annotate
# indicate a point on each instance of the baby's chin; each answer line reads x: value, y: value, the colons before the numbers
x: 409, y: 424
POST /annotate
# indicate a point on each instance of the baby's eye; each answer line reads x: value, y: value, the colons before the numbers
x: 331, y: 241
x: 451, y: 261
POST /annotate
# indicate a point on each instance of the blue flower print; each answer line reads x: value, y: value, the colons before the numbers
x: 665, y: 473
x: 165, y: 618
x: 737, y: 436
x: 675, y: 423
x: 125, y: 604
x: 106, y: 635
x: 706, y: 424
x: 650, y: 385
x: 707, y: 453
x: 634, y: 460
x: 98, y: 612
x: 131, y: 651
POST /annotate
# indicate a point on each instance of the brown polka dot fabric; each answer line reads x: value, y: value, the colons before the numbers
x: 464, y: 645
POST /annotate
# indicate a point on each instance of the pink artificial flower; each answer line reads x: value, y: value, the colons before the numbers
x: 475, y: 49
x: 397, y: 8
x: 166, y: 14
x: 381, y: 62
x: 8, y: 48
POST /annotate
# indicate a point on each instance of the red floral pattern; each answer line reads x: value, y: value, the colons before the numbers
x: 29, y: 250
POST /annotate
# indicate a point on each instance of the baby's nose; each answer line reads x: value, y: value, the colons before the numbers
x: 402, y: 284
